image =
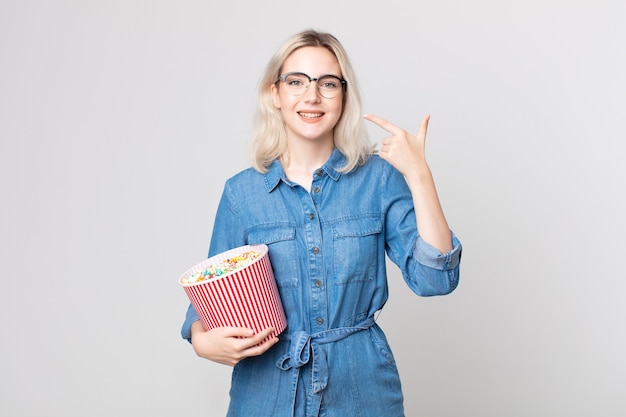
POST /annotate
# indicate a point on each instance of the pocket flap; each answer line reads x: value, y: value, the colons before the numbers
x: 268, y: 234
x: 361, y: 226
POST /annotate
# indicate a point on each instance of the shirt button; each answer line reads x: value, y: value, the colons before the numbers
x: 319, y: 172
x: 316, y: 189
x: 318, y: 283
x: 316, y: 250
x: 311, y: 216
x: 320, y: 320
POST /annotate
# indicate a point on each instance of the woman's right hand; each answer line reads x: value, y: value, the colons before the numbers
x: 229, y: 345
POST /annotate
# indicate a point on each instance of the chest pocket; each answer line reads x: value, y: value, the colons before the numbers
x: 280, y: 239
x: 355, y: 249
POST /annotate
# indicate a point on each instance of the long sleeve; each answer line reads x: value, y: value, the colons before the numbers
x: 426, y: 271
x: 226, y: 235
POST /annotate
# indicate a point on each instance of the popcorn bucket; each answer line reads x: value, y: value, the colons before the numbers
x: 239, y: 297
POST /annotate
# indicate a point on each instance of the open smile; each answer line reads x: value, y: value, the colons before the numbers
x: 310, y: 116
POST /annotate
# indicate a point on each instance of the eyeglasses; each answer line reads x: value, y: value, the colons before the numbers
x: 329, y: 86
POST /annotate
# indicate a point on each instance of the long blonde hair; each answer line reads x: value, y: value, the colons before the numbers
x: 269, y: 139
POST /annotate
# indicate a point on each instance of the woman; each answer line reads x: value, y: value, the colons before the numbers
x: 329, y: 209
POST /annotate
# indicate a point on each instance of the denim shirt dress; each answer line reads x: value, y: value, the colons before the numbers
x: 327, y: 248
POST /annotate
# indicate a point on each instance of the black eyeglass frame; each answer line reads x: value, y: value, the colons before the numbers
x: 283, y: 78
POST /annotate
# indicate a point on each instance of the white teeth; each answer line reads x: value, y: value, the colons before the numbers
x: 311, y: 115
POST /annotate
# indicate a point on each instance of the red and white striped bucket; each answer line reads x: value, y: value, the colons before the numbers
x: 246, y: 297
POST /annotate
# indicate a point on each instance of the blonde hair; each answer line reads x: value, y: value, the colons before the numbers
x: 269, y: 139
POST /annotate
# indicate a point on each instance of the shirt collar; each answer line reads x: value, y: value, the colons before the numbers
x: 275, y: 171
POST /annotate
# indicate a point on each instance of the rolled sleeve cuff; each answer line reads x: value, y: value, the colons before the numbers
x: 191, y: 317
x: 431, y: 257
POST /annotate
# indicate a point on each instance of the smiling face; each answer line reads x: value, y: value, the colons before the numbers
x: 309, y: 117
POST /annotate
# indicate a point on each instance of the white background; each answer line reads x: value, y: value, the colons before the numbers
x: 120, y: 121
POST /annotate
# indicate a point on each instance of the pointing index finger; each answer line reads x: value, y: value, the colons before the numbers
x: 384, y: 124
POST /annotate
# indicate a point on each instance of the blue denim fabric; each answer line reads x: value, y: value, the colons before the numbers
x: 327, y: 249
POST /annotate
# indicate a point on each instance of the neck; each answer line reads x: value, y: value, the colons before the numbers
x: 304, y: 160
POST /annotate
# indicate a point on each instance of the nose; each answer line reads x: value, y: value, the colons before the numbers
x: 312, y: 93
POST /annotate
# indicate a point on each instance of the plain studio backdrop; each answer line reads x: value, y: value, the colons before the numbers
x: 121, y: 120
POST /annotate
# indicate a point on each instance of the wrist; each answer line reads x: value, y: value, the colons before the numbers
x: 419, y: 178
x: 196, y: 327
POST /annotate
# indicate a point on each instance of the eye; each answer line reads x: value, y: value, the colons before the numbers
x: 296, y: 80
x: 329, y: 83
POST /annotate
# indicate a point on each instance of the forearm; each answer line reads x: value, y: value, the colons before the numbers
x: 431, y: 221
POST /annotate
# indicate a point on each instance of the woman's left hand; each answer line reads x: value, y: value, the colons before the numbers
x: 404, y: 151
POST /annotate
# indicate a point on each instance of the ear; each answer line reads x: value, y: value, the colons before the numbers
x: 275, y: 96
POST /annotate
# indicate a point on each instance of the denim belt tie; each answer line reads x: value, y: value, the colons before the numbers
x: 306, y: 347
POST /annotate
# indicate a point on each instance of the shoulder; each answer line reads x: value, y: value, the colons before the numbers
x: 249, y: 186
x: 375, y: 166
x: 379, y: 173
x: 248, y: 176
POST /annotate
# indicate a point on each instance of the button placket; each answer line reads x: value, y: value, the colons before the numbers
x: 317, y: 274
